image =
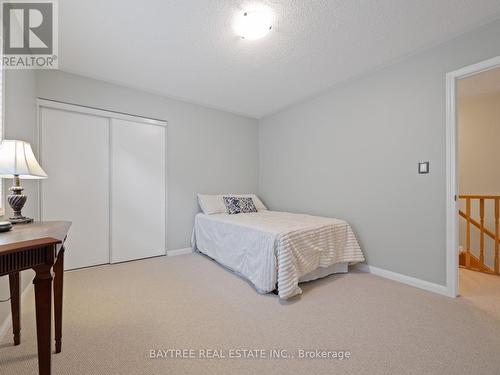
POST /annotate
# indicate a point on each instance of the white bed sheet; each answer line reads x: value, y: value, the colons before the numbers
x: 269, y: 247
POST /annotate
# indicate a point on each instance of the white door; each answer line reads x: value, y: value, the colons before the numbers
x: 75, y: 154
x: 138, y: 187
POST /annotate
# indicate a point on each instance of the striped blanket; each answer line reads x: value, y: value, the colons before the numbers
x: 302, y: 251
x: 269, y: 247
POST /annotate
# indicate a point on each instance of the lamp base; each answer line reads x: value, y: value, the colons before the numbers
x: 17, y: 200
x: 20, y: 220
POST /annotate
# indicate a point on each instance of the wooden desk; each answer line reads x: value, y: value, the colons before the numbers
x: 38, y: 246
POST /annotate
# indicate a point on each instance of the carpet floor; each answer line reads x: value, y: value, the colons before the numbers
x: 481, y: 290
x: 115, y: 315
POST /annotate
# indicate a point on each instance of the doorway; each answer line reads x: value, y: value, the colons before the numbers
x: 473, y: 180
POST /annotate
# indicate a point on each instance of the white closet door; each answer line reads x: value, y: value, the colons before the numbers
x: 75, y: 155
x: 137, y: 190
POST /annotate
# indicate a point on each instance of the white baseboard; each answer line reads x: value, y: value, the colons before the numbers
x: 7, y: 323
x: 418, y: 283
x: 171, y: 253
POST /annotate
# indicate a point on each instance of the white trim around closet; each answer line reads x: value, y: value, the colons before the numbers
x: 97, y: 112
x: 54, y: 104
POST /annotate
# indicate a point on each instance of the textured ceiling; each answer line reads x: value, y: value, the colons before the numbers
x: 187, y: 49
x: 487, y: 82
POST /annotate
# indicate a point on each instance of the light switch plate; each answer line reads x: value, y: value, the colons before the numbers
x: 423, y: 167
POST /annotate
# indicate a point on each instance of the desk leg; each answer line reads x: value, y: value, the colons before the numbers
x: 43, y: 303
x: 58, y: 297
x: 15, y: 306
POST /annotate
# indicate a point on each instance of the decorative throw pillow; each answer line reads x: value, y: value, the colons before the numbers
x: 247, y: 205
x: 232, y: 205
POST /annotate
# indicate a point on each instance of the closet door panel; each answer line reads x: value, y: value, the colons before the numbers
x: 138, y: 188
x: 75, y: 154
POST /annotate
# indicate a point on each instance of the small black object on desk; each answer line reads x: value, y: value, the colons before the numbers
x: 5, y: 226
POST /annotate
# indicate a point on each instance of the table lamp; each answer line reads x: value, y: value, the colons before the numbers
x: 17, y: 161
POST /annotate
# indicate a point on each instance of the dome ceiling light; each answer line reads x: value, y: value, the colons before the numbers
x: 253, y: 24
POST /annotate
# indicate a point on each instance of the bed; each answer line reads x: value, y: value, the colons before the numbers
x: 276, y: 250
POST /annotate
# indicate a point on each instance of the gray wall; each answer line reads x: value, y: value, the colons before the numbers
x: 20, y: 120
x: 207, y: 150
x: 352, y: 153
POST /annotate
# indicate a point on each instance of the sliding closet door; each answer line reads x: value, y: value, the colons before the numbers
x: 138, y: 189
x: 75, y: 154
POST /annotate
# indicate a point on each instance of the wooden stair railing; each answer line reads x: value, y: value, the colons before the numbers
x: 467, y: 259
x: 474, y: 263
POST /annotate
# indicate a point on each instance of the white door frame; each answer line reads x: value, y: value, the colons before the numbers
x: 451, y: 168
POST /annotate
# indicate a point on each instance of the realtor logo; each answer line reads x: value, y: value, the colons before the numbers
x: 29, y: 36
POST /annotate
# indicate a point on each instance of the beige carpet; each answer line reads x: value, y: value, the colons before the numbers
x: 481, y: 291
x: 115, y: 314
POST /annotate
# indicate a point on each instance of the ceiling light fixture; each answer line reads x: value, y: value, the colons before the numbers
x: 253, y: 24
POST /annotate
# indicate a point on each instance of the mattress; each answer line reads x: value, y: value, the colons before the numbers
x: 272, y: 248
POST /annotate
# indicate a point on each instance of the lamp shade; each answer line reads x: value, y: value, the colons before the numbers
x: 17, y: 158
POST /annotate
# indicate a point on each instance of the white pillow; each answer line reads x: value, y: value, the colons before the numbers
x: 214, y: 204
x: 211, y: 204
